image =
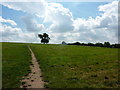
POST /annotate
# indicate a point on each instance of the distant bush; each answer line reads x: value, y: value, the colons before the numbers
x: 106, y: 44
x: 90, y: 44
x: 77, y: 43
x: 99, y: 44
x: 115, y: 45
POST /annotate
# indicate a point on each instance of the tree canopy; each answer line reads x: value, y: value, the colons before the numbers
x: 44, y: 38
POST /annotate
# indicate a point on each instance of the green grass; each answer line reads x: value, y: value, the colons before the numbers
x: 66, y: 66
x: 63, y: 66
x: 15, y: 64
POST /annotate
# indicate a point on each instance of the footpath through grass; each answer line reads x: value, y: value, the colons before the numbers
x: 66, y: 66
x: 16, y: 59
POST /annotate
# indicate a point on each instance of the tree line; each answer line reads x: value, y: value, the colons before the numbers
x: 105, y: 44
x: 45, y: 39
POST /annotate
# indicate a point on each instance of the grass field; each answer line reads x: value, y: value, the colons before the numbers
x: 62, y: 66
x: 15, y: 64
x: 66, y: 66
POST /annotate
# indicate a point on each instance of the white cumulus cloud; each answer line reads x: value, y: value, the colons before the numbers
x: 2, y: 20
x: 60, y: 17
x: 31, y: 24
x: 102, y: 28
x: 36, y: 8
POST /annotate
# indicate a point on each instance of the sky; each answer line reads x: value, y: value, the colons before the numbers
x: 63, y: 21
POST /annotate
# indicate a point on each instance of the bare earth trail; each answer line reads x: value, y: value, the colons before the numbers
x: 34, y: 79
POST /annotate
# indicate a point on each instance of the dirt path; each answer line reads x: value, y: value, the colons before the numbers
x: 34, y: 79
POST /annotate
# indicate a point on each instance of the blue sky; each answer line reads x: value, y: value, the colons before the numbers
x: 8, y: 13
x: 84, y: 9
x: 62, y: 23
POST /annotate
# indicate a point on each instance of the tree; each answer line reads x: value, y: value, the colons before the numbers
x: 64, y: 43
x: 77, y: 43
x: 99, y: 44
x: 44, y: 38
x: 90, y: 44
x: 106, y: 44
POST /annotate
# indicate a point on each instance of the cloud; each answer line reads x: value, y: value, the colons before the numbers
x: 35, y: 8
x: 32, y: 25
x: 60, y: 17
x: 54, y: 12
x: 111, y: 8
x: 11, y: 34
x: 62, y: 26
x: 8, y: 32
x: 102, y: 28
x: 110, y: 14
x: 11, y: 22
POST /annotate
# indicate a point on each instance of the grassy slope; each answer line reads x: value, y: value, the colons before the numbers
x: 77, y: 66
x: 15, y: 63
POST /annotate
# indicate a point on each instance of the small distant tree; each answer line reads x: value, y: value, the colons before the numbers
x: 44, y: 38
x: 90, y: 44
x: 106, y: 44
x: 63, y: 42
x: 99, y: 44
